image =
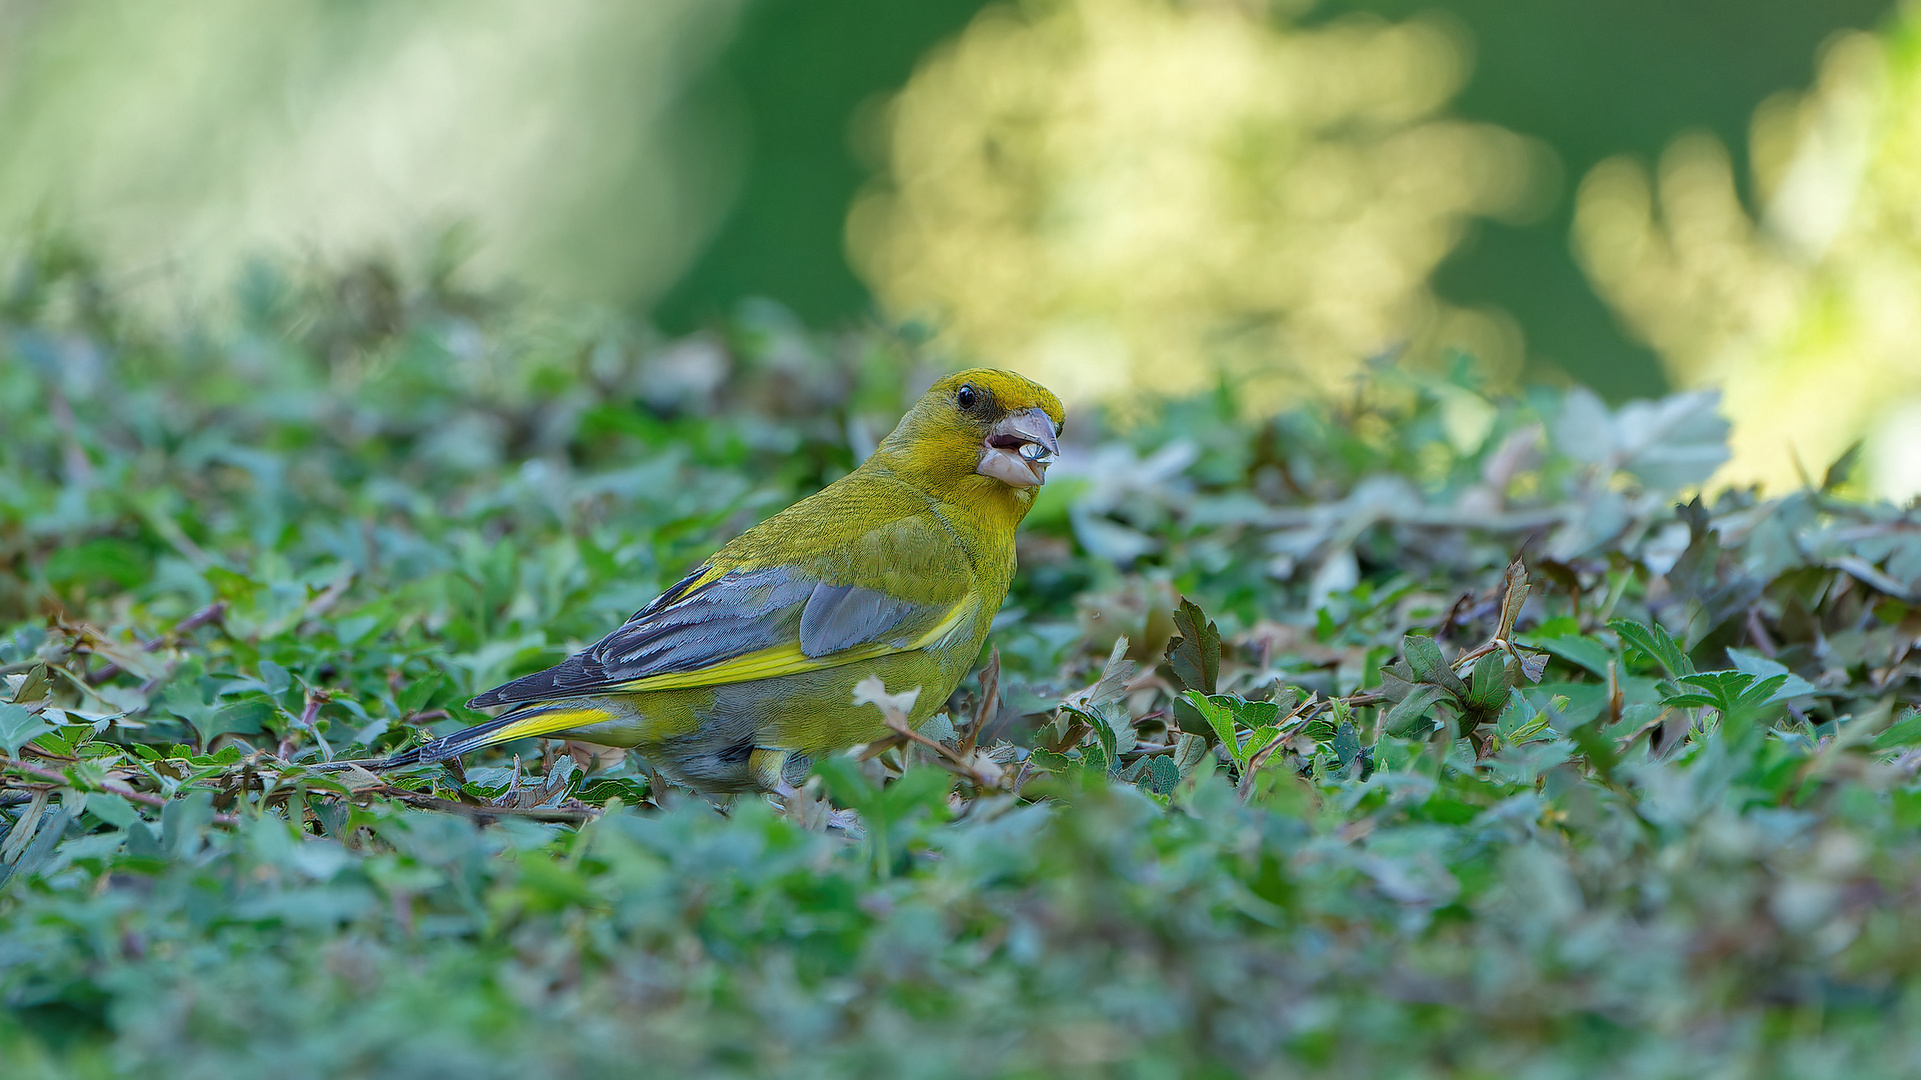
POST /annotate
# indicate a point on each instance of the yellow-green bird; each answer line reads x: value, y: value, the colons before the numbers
x: 741, y: 674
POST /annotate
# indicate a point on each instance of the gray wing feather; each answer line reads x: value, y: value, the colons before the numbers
x: 842, y: 616
x: 731, y: 616
x: 687, y: 629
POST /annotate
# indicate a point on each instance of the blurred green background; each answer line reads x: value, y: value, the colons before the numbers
x: 668, y: 160
x: 1592, y: 80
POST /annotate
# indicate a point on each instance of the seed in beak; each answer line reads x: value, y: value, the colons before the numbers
x: 1034, y: 452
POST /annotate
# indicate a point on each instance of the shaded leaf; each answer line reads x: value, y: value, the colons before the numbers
x: 1195, y: 654
x: 18, y: 727
x: 1655, y: 643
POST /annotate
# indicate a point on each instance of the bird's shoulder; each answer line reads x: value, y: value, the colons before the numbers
x: 865, y: 530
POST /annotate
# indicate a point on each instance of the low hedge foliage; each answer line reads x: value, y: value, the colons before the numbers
x: 1283, y: 766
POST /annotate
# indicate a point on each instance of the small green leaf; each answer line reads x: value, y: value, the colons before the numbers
x: 1580, y: 650
x: 1195, y: 655
x: 1190, y: 751
x: 18, y: 727
x: 419, y: 692
x: 844, y: 781
x: 237, y: 718
x: 1217, y: 710
x: 1489, y: 683
x: 1257, y: 741
x: 1161, y: 776
x: 275, y: 678
x: 1346, y: 744
x: 1408, y: 718
x: 1429, y: 666
x: 1655, y: 643
x: 1093, y: 758
x: 1761, y: 667
x: 1254, y: 714
x: 112, y: 809
x: 33, y: 687
x: 1050, y: 761
x: 1903, y: 732
x: 1530, y: 729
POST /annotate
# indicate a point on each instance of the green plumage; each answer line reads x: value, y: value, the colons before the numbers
x: 741, y: 674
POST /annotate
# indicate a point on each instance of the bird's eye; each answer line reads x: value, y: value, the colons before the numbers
x: 967, y: 397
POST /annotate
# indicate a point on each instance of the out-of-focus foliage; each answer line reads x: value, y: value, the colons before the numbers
x: 1353, y: 798
x: 713, y: 149
x: 1051, y: 171
x: 181, y: 139
x: 1805, y: 311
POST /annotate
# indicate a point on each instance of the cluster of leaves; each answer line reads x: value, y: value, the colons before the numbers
x: 1283, y: 765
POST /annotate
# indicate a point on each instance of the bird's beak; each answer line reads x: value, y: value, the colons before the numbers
x: 1019, y: 449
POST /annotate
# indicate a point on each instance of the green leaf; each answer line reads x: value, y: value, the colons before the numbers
x: 112, y: 809
x: 1843, y: 467
x: 1346, y: 744
x: 1692, y: 701
x: 1095, y: 759
x: 1195, y: 654
x: 108, y: 560
x: 1218, y: 711
x: 1429, y: 666
x: 1528, y: 730
x: 230, y: 586
x: 1489, y: 683
x: 1655, y: 643
x: 1104, y: 732
x: 419, y: 692
x: 1903, y: 732
x: 1190, y: 751
x: 1050, y: 761
x: 1257, y: 741
x: 18, y: 727
x: 1762, y: 692
x: 1254, y: 714
x: 275, y: 678
x: 1161, y: 776
x: 237, y: 718
x: 1792, y: 686
x: 33, y: 687
x: 1724, y: 687
x: 1409, y: 717
x: 184, y: 821
x: 844, y: 782
x: 1597, y: 748
x: 1579, y: 650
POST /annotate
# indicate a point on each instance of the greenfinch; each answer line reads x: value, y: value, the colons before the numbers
x: 741, y: 674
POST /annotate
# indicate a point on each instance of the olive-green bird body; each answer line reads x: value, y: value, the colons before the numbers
x: 745, y: 671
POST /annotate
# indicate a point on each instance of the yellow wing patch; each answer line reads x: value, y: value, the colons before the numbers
x: 546, y: 722
x: 787, y: 659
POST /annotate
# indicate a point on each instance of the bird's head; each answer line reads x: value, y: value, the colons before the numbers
x: 980, y: 428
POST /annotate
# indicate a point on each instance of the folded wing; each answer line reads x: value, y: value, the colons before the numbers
x: 719, y: 627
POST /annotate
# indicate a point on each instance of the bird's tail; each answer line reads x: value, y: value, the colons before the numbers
x: 528, y: 721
